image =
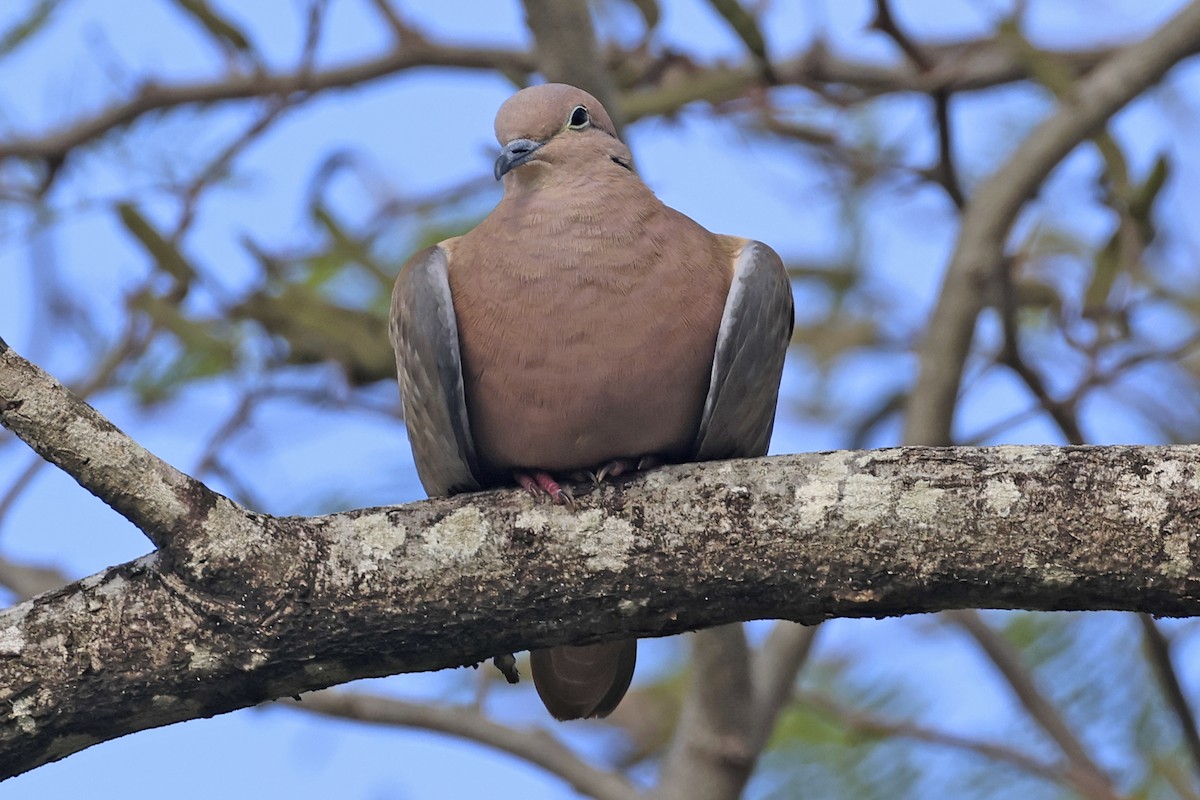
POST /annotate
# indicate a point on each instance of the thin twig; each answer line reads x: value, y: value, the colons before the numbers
x: 238, y: 490
x: 946, y: 172
x: 232, y: 425
x: 746, y: 28
x: 869, y: 725
x: 1113, y: 372
x: 1063, y: 413
x: 813, y: 67
x: 1008, y: 664
x: 1158, y: 650
x: 220, y: 164
x: 988, y: 434
x: 20, y: 484
x: 536, y: 746
x: 885, y: 23
x: 775, y: 667
x: 403, y: 31
x: 314, y: 25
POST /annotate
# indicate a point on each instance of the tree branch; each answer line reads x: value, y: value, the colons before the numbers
x: 734, y: 698
x: 248, y: 607
x: 870, y: 725
x: 993, y: 208
x: 27, y: 580
x: 712, y: 753
x: 151, y: 97
x: 776, y: 665
x: 961, y: 66
x: 1158, y: 651
x: 159, y: 499
x: 746, y: 28
x: 1093, y: 781
x: 946, y: 173
x: 536, y: 746
x: 1012, y: 356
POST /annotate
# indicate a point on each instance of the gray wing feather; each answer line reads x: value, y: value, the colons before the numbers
x: 756, y: 327
x: 424, y: 334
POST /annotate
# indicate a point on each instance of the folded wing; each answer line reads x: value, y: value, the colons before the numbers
x: 756, y: 327
x: 424, y: 334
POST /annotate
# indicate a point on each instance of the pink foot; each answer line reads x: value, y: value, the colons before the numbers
x: 540, y: 484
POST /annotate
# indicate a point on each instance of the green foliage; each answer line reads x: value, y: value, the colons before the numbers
x: 165, y: 253
x: 318, y: 331
x: 202, y: 349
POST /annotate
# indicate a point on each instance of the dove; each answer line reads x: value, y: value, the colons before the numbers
x: 583, y: 328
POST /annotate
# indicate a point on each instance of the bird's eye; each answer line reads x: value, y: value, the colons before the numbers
x: 579, y: 118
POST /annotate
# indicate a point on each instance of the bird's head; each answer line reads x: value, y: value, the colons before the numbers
x: 556, y: 130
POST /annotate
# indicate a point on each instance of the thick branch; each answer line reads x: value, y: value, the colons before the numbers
x: 247, y: 607
x: 994, y: 206
x: 260, y: 607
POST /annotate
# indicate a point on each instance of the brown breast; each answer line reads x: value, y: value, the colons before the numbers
x: 585, y: 338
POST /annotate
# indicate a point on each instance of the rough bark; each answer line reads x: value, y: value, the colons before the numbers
x: 269, y: 607
x: 235, y: 607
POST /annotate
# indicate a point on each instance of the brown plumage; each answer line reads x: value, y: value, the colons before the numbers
x: 583, y: 326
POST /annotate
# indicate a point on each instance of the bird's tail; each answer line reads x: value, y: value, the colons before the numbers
x: 584, y: 681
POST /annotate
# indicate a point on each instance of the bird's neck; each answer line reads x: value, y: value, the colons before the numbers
x: 618, y: 204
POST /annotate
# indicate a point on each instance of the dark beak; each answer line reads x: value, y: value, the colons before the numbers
x: 514, y: 154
